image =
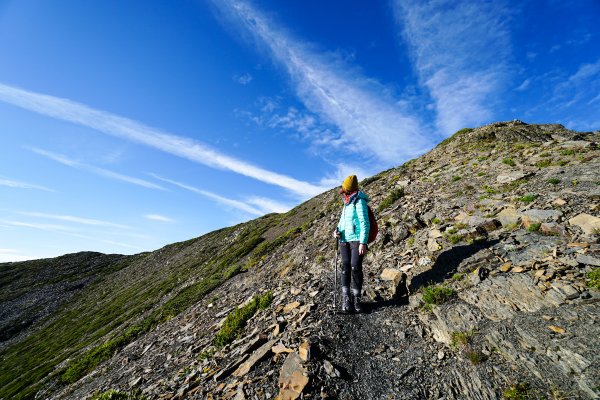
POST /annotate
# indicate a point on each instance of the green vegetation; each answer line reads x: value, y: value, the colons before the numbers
x: 489, y: 189
x: 436, y: 221
x: 461, y: 339
x: 534, y: 227
x: 456, y: 178
x: 370, y: 180
x: 553, y: 181
x: 457, y: 276
x: 475, y: 356
x: 436, y: 295
x: 394, y: 196
x: 528, y: 198
x: 221, y: 269
x: 116, y: 309
x: 268, y: 247
x: 567, y: 152
x: 452, y: 236
x: 509, y: 161
x: 236, y: 320
x: 455, y: 136
x: 593, y: 278
x: 518, y: 391
x: 543, y: 163
x: 116, y: 395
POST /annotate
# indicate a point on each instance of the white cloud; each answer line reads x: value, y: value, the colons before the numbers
x: 12, y: 255
x: 243, y: 79
x: 459, y: 50
x: 22, y: 185
x: 367, y: 122
x: 77, y: 220
x: 581, y: 86
x: 33, y: 225
x: 584, y: 73
x: 523, y: 86
x: 342, y: 171
x: 595, y: 99
x: 158, y: 217
x: 220, y: 199
x: 96, y: 170
x: 134, y: 131
x: 268, y: 205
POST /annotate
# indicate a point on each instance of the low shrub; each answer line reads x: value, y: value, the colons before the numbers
x: 543, y: 163
x: 395, y: 195
x: 236, y: 320
x: 534, y: 227
x: 436, y: 295
x: 457, y: 276
x: 509, y: 161
x: 593, y: 278
x: 518, y: 391
x: 461, y: 338
x: 553, y: 181
x: 475, y: 356
x: 528, y: 198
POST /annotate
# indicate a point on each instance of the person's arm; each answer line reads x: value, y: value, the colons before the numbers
x: 338, y: 229
x: 362, y: 212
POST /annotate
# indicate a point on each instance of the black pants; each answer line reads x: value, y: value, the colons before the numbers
x: 352, y: 273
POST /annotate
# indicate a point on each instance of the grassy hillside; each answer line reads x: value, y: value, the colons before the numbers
x: 130, y: 296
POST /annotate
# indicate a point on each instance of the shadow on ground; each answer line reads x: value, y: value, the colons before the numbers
x: 445, y: 265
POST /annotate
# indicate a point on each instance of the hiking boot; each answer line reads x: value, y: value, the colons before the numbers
x: 346, y: 303
x: 358, y: 307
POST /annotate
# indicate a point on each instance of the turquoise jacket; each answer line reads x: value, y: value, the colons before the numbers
x: 354, y: 221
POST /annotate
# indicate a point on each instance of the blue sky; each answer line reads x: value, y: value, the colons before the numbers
x: 127, y: 125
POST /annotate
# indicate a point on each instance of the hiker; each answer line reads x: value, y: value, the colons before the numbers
x: 353, y: 233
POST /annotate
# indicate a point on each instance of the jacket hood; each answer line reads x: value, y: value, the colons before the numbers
x: 361, y: 195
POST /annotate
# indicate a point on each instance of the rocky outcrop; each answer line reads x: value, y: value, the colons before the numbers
x: 478, y: 281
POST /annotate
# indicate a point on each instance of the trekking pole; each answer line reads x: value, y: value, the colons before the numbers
x: 335, y: 288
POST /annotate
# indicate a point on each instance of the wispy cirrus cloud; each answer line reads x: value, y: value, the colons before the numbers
x: 23, y: 185
x: 583, y: 84
x: 367, y: 121
x: 137, y: 132
x: 96, y: 170
x: 35, y: 225
x: 459, y: 50
x: 269, y: 205
x: 219, y: 199
x: 158, y: 217
x: 243, y: 79
x: 77, y: 220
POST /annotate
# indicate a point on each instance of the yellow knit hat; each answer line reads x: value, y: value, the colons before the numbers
x: 350, y: 184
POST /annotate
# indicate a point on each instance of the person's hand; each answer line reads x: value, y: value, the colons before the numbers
x: 336, y: 234
x: 362, y: 249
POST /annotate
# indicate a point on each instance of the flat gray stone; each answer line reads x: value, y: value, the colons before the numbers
x: 543, y: 215
x: 510, y: 176
x: 588, y: 260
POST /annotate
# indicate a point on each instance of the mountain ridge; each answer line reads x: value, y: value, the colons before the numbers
x: 475, y: 216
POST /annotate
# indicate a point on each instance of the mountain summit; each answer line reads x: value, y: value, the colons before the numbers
x: 482, y: 284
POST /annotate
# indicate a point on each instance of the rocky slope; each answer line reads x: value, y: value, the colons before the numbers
x: 478, y: 287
